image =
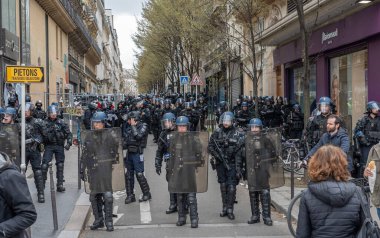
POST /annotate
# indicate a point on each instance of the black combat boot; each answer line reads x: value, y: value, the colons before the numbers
x: 223, y: 192
x: 193, y: 207
x: 231, y: 196
x: 129, y: 189
x: 44, y: 169
x: 39, y: 181
x: 181, y: 209
x: 108, y: 208
x: 173, y: 204
x: 255, y: 209
x: 144, y: 187
x: 60, y: 178
x: 265, y: 203
x: 97, y: 210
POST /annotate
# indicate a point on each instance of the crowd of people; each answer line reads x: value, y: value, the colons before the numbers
x: 241, y: 136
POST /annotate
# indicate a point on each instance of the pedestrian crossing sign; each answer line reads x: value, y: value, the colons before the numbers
x: 184, y: 80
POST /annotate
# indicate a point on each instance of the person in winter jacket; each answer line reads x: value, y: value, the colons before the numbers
x: 17, y: 212
x: 330, y: 207
x: 335, y: 135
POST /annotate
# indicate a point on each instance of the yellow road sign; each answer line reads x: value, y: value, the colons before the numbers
x: 24, y: 74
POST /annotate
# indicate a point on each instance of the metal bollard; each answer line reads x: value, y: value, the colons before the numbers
x: 53, y: 197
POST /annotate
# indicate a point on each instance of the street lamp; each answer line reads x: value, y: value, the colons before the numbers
x: 364, y: 1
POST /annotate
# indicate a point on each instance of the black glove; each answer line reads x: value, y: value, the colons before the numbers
x: 158, y: 170
x: 67, y: 147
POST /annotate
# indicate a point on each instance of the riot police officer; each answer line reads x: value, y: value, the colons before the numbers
x: 167, y: 107
x: 157, y: 113
x: 55, y: 132
x: 179, y: 106
x: 191, y: 114
x: 317, y: 125
x: 189, y: 199
x: 100, y: 202
x: 224, y: 146
x: 295, y: 122
x: 9, y: 115
x: 237, y: 107
x: 243, y: 115
x: 203, y: 111
x: 367, y: 133
x: 38, y: 112
x: 88, y: 113
x: 222, y: 107
x: 259, y: 190
x: 33, y: 140
x: 168, y: 125
x: 135, y: 140
x: 267, y: 113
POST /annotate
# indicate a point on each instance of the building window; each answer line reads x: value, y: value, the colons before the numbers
x: 348, y: 81
x: 291, y: 6
x: 296, y: 82
x: 25, y: 32
x: 8, y: 15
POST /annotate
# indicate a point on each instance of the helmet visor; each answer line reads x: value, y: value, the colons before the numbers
x: 227, y: 120
x: 166, y: 124
x: 325, y: 107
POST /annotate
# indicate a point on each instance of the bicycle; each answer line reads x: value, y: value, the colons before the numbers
x: 293, y: 151
x: 293, y: 209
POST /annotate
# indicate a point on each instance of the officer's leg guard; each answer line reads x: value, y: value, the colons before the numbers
x: 181, y: 209
x: 39, y: 181
x: 173, y: 203
x: 144, y: 187
x: 193, y: 207
x: 108, y: 208
x: 60, y: 178
x: 44, y: 169
x: 265, y: 203
x: 97, y: 209
x: 231, y: 196
x: 255, y: 209
x: 223, y: 192
x: 129, y: 189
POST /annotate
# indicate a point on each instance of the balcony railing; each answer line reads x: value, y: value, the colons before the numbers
x: 79, y: 22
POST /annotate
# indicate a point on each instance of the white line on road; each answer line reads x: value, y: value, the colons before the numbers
x: 155, y: 226
x: 115, y: 208
x: 146, y: 216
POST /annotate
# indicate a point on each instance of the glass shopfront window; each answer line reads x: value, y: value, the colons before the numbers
x: 296, y: 84
x: 348, y: 84
x: 8, y: 15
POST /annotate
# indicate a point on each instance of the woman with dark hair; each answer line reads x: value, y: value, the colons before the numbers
x: 330, y: 207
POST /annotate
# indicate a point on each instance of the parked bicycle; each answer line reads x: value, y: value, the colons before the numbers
x: 293, y: 150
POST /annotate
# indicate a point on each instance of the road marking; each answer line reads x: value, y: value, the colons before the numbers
x: 155, y: 226
x: 145, y: 215
x: 119, y: 215
x: 117, y: 195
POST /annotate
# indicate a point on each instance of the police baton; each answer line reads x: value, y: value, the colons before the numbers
x: 53, y: 197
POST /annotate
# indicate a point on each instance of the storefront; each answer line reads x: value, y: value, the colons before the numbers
x: 344, y: 63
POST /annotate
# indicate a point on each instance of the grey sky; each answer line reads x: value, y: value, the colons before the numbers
x: 126, y: 12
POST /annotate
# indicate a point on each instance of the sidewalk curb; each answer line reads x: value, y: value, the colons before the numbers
x: 78, y: 218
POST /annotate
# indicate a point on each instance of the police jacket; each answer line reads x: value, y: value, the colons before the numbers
x: 243, y: 117
x: 229, y: 143
x: 295, y: 121
x: 17, y: 211
x: 135, y: 137
x: 39, y: 114
x: 370, y: 128
x: 162, y: 146
x: 87, y: 118
x: 157, y: 114
x: 33, y: 133
x: 329, y: 209
x: 340, y: 139
x: 315, y: 128
x: 55, y: 132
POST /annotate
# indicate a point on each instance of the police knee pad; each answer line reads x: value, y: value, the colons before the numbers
x: 192, y: 198
x: 231, y: 188
x: 108, y: 197
x: 37, y: 172
x: 44, y: 167
x: 265, y: 192
x: 140, y: 175
x: 60, y: 166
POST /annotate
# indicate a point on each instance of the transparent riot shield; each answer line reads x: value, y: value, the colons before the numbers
x: 188, y: 162
x: 102, y: 160
x: 264, y: 165
x: 10, y: 142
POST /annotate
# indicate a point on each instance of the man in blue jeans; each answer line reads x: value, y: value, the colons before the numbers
x: 135, y: 138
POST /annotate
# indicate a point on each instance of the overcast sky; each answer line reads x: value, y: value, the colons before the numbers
x: 126, y: 12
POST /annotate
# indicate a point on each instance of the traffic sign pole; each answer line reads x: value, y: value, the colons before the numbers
x: 23, y: 132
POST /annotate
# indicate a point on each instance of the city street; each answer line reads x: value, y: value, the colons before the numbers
x: 148, y: 219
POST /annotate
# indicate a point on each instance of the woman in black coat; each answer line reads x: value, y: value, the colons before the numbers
x: 330, y: 207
